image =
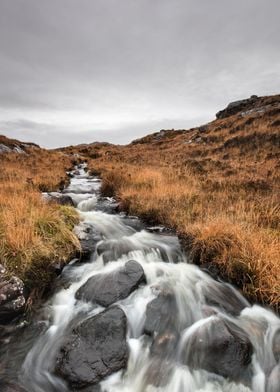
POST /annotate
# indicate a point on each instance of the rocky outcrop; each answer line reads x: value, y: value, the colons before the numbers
x: 12, y: 301
x: 237, y: 106
x: 220, y: 347
x: 11, y: 145
x: 95, y: 349
x: 106, y: 289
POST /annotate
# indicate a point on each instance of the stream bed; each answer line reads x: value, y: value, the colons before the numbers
x: 132, y: 315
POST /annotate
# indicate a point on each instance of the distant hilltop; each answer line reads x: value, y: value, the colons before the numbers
x: 254, y: 111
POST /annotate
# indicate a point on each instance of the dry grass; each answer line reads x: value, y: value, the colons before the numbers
x: 217, y: 185
x: 238, y: 233
x: 34, y: 235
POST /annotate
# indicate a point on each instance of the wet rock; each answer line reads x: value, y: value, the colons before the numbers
x: 59, y: 198
x: 112, y: 250
x: 224, y: 297
x: 95, y: 349
x: 107, y: 204
x: 134, y: 222
x: 158, y: 229
x: 11, y: 387
x: 276, y: 346
x: 273, y: 383
x: 12, y: 301
x: 168, y: 248
x: 165, y: 344
x: 88, y: 237
x: 91, y: 388
x: 105, y: 289
x: 158, y: 373
x: 161, y: 314
x: 219, y: 347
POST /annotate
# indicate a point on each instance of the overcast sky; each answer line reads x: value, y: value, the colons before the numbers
x: 74, y: 71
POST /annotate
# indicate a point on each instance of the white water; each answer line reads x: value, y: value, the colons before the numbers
x: 189, y: 285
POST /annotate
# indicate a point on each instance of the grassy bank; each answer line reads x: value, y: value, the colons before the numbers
x: 225, y: 227
x: 218, y: 185
x: 34, y: 235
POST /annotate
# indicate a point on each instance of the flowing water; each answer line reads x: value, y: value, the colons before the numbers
x: 197, y: 302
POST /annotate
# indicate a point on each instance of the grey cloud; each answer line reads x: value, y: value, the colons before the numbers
x: 130, y: 64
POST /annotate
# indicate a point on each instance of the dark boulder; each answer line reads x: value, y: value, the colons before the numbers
x: 105, y: 289
x: 220, y: 347
x: 161, y: 314
x: 88, y: 237
x: 12, y: 300
x: 95, y: 349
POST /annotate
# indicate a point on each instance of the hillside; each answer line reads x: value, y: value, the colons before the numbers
x: 217, y: 185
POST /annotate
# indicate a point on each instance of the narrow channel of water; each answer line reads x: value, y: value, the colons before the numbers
x: 184, y: 331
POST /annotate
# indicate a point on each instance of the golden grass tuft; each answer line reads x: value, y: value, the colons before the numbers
x: 34, y: 235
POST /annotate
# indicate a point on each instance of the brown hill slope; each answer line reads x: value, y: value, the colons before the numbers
x: 217, y: 185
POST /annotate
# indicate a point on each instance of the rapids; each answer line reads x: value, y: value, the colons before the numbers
x: 196, y: 306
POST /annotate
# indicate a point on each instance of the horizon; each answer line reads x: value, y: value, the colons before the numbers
x: 77, y: 73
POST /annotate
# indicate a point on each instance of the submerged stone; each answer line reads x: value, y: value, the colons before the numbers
x: 221, y: 347
x: 161, y: 314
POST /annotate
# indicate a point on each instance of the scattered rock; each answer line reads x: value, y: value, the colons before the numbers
x: 105, y: 289
x: 95, y: 349
x: 88, y: 237
x: 12, y: 301
x: 220, y: 347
